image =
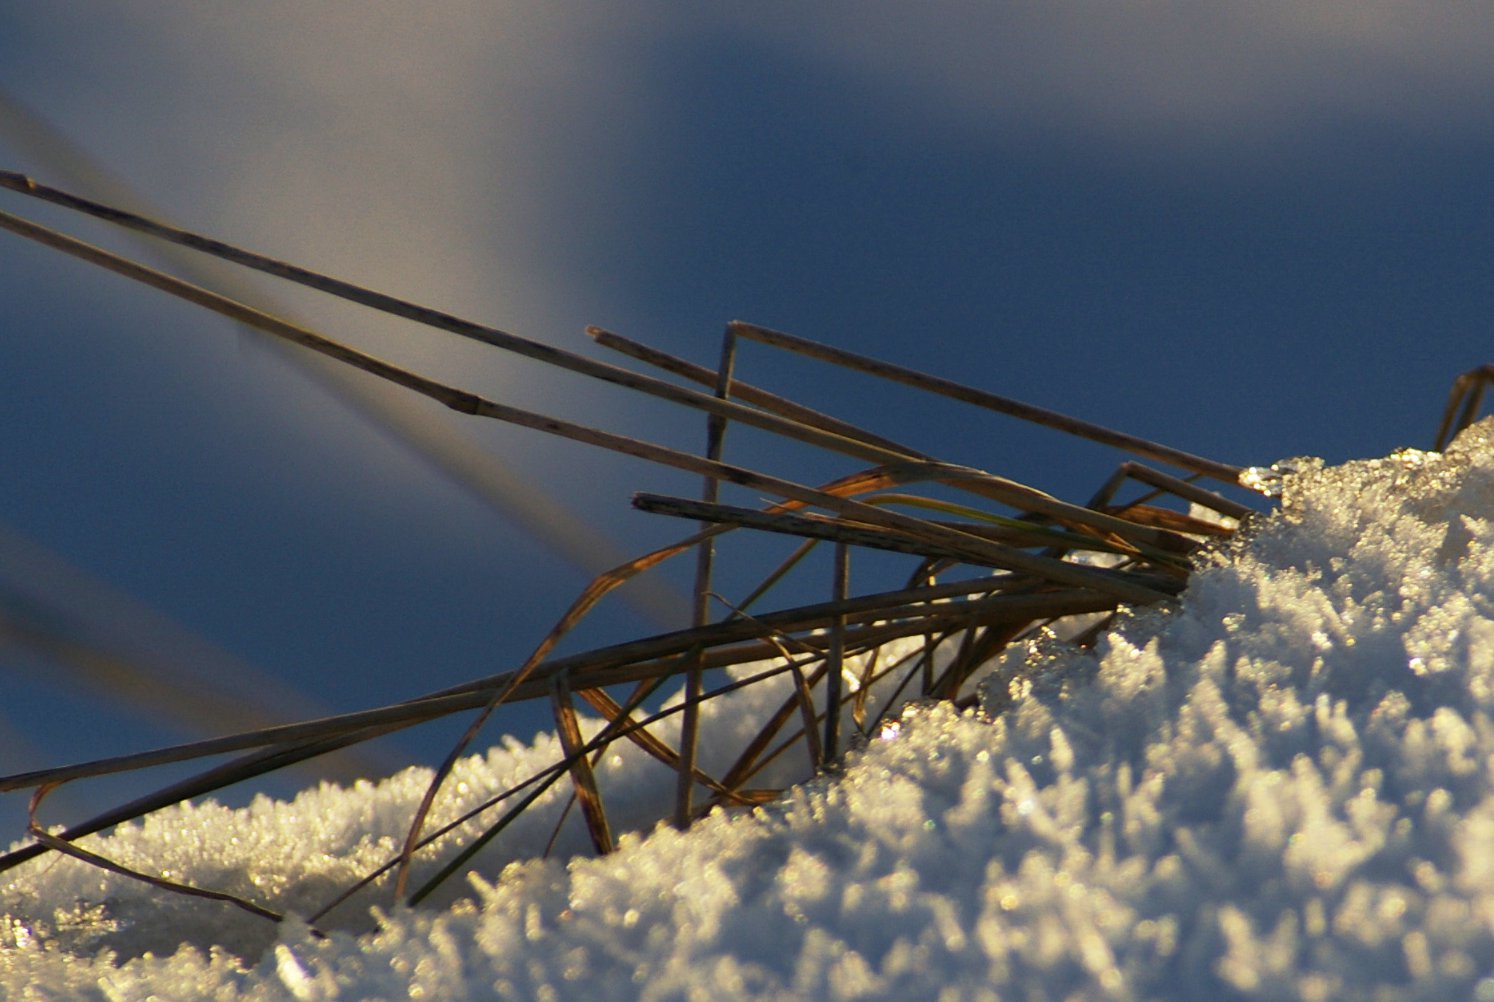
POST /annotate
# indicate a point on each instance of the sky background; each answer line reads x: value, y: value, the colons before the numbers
x: 1248, y: 231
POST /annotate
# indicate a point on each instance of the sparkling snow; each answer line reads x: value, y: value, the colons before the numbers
x: 1280, y: 788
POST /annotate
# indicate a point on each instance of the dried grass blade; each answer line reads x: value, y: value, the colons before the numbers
x: 835, y: 662
x: 809, y: 526
x: 747, y: 392
x: 389, y: 304
x: 610, y: 732
x: 1023, y: 533
x: 568, y: 729
x: 992, y: 640
x: 1024, y: 498
x: 801, y: 700
x: 645, y: 739
x: 1185, y: 489
x: 1467, y: 389
x: 638, y: 732
x: 35, y: 829
x: 700, y: 614
x: 546, y: 777
x: 803, y: 686
x: 1173, y: 521
x: 991, y: 401
x: 967, y: 547
x: 217, y: 778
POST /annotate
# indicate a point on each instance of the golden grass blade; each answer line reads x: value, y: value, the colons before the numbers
x: 1078, y: 517
x: 979, y: 648
x: 1173, y: 521
x: 545, y: 779
x: 568, y: 729
x: 802, y: 700
x: 616, y: 715
x: 803, y: 690
x: 638, y: 732
x: 1184, y: 489
x: 785, y: 566
x: 542, y: 780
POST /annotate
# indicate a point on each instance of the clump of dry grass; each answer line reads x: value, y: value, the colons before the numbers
x: 990, y: 568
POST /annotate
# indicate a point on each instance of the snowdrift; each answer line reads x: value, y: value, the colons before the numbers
x: 1279, y: 787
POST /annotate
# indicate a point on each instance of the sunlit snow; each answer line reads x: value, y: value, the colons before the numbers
x: 1280, y: 788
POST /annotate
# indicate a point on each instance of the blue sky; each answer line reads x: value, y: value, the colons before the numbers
x: 1250, y: 231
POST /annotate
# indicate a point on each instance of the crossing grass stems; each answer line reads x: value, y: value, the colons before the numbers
x: 994, y: 569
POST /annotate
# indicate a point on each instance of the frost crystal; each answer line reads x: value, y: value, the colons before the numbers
x: 1279, y: 788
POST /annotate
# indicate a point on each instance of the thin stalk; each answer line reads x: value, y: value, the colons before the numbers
x: 746, y: 391
x: 568, y: 728
x: 990, y: 401
x: 620, y: 663
x: 471, y: 403
x: 1467, y: 389
x: 835, y: 662
x: 491, y: 336
x: 705, y: 556
x: 36, y: 830
x: 1186, y: 490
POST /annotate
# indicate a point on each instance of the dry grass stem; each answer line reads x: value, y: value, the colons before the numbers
x: 1467, y: 390
x: 999, y: 564
x: 991, y: 401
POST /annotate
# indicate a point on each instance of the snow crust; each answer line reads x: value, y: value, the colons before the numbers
x: 1278, y: 788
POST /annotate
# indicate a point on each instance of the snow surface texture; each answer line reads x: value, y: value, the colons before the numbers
x: 1280, y: 788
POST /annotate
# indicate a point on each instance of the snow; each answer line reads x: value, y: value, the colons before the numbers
x: 1278, y: 788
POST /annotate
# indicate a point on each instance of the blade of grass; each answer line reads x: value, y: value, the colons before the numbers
x: 746, y: 391
x: 37, y: 831
x: 470, y: 403
x: 1186, y: 490
x: 810, y: 526
x: 568, y: 729
x: 990, y: 401
x: 491, y: 336
x: 835, y: 662
x: 1467, y: 389
x: 619, y: 663
x: 705, y: 558
x: 431, y: 442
